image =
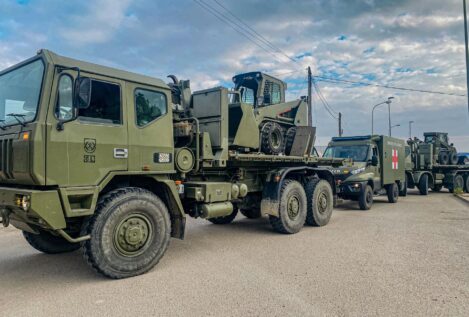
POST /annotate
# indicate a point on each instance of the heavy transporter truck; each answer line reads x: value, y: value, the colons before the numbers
x: 113, y: 161
x: 433, y: 164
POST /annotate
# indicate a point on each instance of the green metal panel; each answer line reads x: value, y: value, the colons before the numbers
x: 392, y: 152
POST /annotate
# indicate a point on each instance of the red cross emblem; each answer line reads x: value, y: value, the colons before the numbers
x: 395, y: 159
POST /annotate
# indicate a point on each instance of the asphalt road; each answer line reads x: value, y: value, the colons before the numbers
x: 409, y: 259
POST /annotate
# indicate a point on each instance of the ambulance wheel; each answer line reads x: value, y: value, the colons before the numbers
x: 365, y: 200
x: 392, y: 191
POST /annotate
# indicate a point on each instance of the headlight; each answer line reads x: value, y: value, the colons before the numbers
x: 358, y: 171
x: 23, y: 201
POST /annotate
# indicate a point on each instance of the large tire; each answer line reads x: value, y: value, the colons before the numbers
x: 458, y: 182
x: 320, y: 202
x: 273, y: 139
x: 453, y: 158
x: 392, y: 192
x: 423, y: 185
x: 130, y: 232
x: 443, y: 158
x: 466, y: 183
x: 365, y: 200
x: 226, y: 219
x: 403, y: 189
x: 292, y: 209
x: 48, y: 243
x: 290, y: 138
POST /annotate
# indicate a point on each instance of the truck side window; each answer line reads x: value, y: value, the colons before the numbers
x: 375, y: 152
x: 149, y: 106
x: 105, y: 105
x: 64, y: 109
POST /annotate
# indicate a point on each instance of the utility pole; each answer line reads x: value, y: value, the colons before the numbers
x: 410, y: 129
x: 467, y: 52
x: 310, y: 98
x: 340, y: 124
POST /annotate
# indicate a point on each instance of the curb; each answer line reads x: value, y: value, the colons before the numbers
x: 463, y: 198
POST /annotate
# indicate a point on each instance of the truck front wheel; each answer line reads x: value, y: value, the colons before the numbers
x: 365, y: 201
x: 320, y: 202
x: 292, y: 212
x: 46, y: 242
x: 423, y: 185
x: 130, y: 232
x: 392, y: 191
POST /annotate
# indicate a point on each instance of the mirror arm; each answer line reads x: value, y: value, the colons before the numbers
x: 77, y: 69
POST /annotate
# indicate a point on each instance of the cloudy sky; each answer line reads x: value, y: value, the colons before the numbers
x: 404, y: 43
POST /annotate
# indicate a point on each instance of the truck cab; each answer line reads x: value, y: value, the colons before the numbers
x: 377, y: 165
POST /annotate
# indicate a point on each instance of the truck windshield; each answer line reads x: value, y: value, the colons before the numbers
x: 358, y: 153
x: 19, y: 93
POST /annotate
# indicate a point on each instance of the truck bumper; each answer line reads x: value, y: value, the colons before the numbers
x: 350, y: 189
x: 22, y: 208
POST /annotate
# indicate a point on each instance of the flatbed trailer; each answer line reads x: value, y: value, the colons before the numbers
x: 451, y: 177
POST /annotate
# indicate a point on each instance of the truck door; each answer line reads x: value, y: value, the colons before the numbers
x: 376, y: 169
x: 93, y: 145
x: 150, y: 129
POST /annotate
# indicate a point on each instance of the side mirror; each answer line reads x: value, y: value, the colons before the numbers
x: 374, y: 160
x: 82, y: 93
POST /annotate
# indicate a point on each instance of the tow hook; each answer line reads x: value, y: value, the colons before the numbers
x: 5, y: 214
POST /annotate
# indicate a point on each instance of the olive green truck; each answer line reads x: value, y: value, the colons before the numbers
x: 377, y: 167
x: 113, y: 162
x: 433, y: 164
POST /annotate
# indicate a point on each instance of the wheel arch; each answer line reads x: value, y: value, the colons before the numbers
x: 161, y: 186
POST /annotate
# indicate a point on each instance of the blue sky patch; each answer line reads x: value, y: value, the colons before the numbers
x: 22, y: 2
x: 342, y: 38
x: 404, y: 70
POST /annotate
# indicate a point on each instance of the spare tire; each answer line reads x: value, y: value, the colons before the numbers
x: 443, y: 158
x: 273, y: 140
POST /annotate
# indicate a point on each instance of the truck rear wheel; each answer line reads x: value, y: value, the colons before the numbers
x: 48, y: 243
x: 392, y: 191
x: 458, y: 182
x: 320, y: 202
x: 226, y: 219
x: 292, y: 210
x: 365, y: 200
x: 423, y: 185
x: 130, y: 232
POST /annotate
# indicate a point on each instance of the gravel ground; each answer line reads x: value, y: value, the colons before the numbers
x: 405, y: 259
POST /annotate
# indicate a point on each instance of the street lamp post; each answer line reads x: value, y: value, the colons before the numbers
x: 394, y: 126
x: 410, y: 129
x: 388, y: 102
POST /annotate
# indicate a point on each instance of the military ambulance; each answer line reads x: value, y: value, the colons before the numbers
x: 377, y: 166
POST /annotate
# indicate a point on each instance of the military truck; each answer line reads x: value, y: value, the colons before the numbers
x: 377, y: 167
x: 434, y: 165
x: 114, y: 161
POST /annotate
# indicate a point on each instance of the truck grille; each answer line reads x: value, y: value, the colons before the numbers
x: 6, y: 156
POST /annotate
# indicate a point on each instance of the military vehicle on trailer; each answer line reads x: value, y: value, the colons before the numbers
x: 114, y: 161
x: 434, y: 165
x: 377, y: 167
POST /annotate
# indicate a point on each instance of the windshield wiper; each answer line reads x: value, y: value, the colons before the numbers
x: 17, y: 116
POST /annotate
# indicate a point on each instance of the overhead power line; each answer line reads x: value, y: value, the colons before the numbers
x: 335, y: 80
